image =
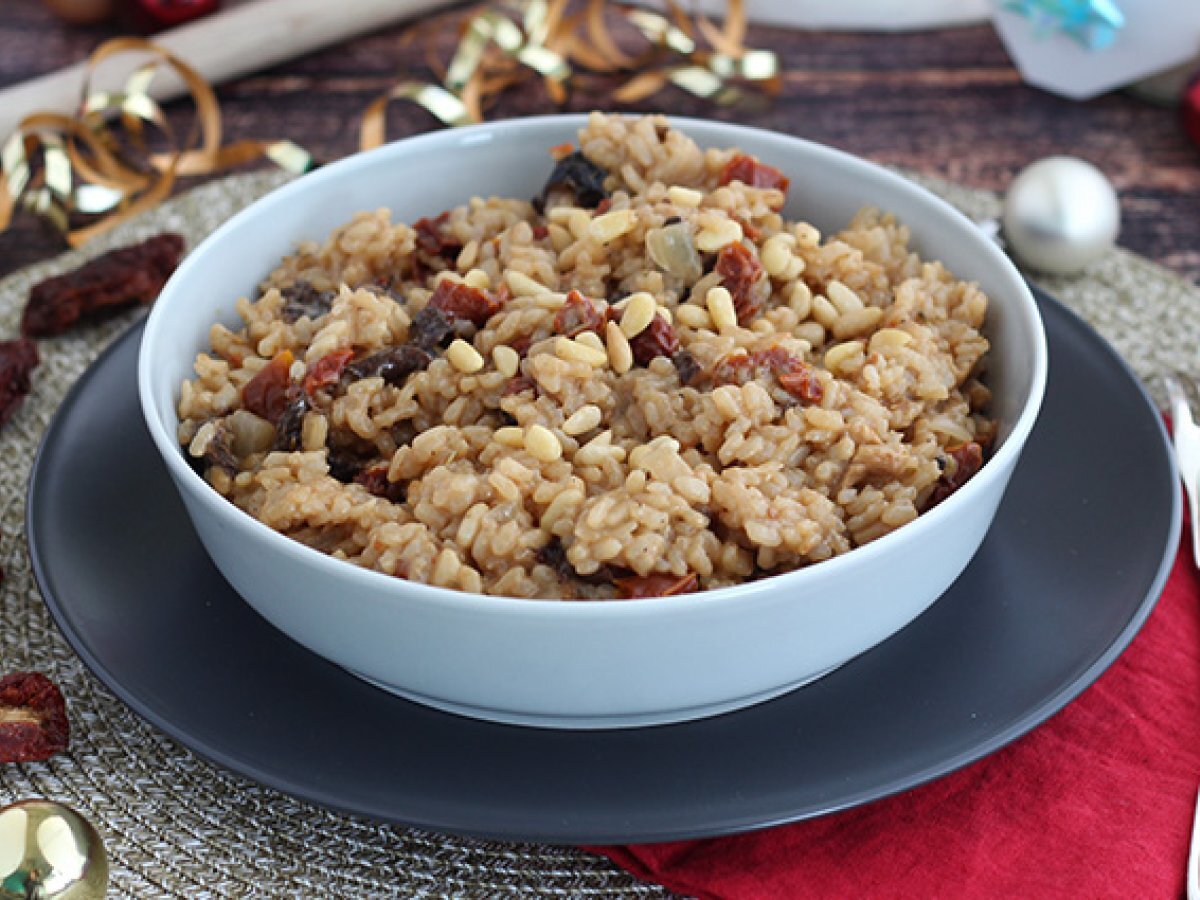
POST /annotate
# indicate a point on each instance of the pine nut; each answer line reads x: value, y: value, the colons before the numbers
x: 591, y: 339
x: 776, y: 257
x: 582, y: 420
x: 608, y: 227
x: 522, y: 285
x: 507, y: 360
x: 510, y: 436
x: 638, y: 314
x: 713, y: 237
x: 889, y: 338
x: 824, y: 311
x: 541, y: 442
x: 477, y: 278
x: 682, y: 196
x: 620, y: 354
x: 800, y: 300
x: 692, y: 316
x: 720, y: 307
x: 855, y: 322
x: 464, y: 357
x: 565, y: 348
x: 842, y: 297
x: 841, y: 356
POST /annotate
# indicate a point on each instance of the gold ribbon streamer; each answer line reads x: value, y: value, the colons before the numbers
x: 496, y: 53
x: 97, y: 167
x: 85, y: 168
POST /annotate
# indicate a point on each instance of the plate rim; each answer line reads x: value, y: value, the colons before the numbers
x: 731, y: 823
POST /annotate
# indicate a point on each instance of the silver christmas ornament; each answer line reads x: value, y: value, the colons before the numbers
x: 1060, y: 215
x: 50, y: 852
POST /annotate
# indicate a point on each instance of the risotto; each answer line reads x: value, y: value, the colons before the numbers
x: 645, y: 381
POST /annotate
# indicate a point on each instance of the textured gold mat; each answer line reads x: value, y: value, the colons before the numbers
x: 176, y: 826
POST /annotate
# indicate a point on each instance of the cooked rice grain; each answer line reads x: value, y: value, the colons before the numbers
x: 686, y: 431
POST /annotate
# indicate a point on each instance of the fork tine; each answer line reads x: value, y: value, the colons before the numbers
x: 1186, y: 440
x: 1179, y: 397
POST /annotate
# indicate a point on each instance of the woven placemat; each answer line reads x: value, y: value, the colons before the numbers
x: 177, y: 826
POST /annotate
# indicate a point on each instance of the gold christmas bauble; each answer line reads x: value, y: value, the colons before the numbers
x: 50, y: 852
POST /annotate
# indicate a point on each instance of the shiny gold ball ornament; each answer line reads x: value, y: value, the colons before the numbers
x: 1060, y: 215
x: 50, y: 852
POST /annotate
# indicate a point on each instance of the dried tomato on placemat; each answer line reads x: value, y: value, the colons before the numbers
x: 113, y: 280
x: 33, y: 718
x: 18, y: 359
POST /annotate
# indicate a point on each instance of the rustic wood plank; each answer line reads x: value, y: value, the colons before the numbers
x: 944, y: 102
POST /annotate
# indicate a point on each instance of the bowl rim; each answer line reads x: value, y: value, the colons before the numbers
x: 389, y: 588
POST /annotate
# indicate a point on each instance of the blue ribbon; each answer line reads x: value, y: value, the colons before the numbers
x: 1093, y: 23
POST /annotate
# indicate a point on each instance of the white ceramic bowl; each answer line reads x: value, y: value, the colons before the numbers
x: 583, y: 664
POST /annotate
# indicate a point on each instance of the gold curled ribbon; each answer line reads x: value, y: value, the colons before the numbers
x: 546, y: 39
x: 87, y: 170
x: 87, y: 173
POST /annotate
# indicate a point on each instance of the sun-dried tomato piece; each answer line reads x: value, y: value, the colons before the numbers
x: 803, y: 384
x: 795, y: 376
x: 540, y: 232
x: 578, y: 314
x: 657, y: 339
x: 750, y: 172
x: 740, y: 273
x: 326, y: 371
x: 518, y: 384
x: 740, y: 367
x: 376, y: 482
x: 965, y: 459
x: 463, y: 302
x: 266, y: 394
x: 302, y: 300
x: 119, y: 278
x: 634, y: 587
x: 33, y: 718
x: 18, y: 359
x: 432, y: 238
x: 521, y: 343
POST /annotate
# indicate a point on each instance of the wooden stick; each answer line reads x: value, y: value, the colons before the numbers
x: 243, y: 39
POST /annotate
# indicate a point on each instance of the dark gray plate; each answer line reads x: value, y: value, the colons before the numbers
x: 1067, y: 575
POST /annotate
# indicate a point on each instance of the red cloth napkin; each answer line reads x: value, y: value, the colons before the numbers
x: 1096, y: 803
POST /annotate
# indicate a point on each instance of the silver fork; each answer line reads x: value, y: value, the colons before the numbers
x: 1186, y: 437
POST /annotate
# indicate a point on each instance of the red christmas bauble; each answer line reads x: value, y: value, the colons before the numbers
x: 1191, y: 111
x: 150, y: 16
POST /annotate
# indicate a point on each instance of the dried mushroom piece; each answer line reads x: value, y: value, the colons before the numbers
x: 393, y: 365
x: 302, y: 300
x: 577, y: 176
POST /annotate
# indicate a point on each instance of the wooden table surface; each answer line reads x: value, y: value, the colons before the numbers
x: 947, y: 102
